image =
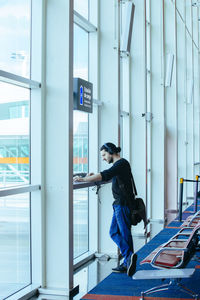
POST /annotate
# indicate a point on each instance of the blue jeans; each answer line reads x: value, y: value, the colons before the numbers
x: 120, y: 230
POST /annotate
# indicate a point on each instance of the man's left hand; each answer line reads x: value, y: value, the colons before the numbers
x: 78, y: 179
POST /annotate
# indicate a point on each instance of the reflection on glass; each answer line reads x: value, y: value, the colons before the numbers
x: 14, y: 244
x: 15, y: 24
x: 81, y: 6
x: 80, y: 149
x: 14, y: 135
x: 80, y: 222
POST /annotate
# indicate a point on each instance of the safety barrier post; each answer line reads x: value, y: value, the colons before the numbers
x: 180, y: 199
x: 196, y: 193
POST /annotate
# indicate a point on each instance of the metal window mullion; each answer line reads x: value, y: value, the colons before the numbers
x: 176, y: 87
x: 119, y: 83
x: 11, y: 78
x: 162, y: 72
x: 185, y: 93
x: 97, y: 102
x: 149, y: 107
x: 193, y: 116
x: 148, y: 205
x: 198, y: 77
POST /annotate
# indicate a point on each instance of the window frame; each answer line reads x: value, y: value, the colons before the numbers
x: 92, y: 135
x: 23, y: 82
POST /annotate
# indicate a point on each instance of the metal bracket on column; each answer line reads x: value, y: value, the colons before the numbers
x: 98, y: 102
x: 124, y: 113
x: 196, y: 3
x: 124, y: 54
x: 148, y: 116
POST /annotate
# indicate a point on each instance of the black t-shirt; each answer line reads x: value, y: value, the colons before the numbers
x: 120, y: 173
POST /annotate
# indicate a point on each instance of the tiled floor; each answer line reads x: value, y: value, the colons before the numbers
x: 87, y: 278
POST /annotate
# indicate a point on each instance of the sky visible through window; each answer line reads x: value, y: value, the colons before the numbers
x: 80, y: 67
x: 15, y: 28
x: 81, y: 6
x: 15, y: 23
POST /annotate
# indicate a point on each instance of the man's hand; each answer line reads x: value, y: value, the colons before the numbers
x: 90, y: 174
x: 78, y: 179
x: 89, y: 178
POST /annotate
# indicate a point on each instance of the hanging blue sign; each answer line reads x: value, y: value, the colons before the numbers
x: 83, y: 95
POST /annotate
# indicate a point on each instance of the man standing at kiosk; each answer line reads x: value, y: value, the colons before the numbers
x: 123, y: 190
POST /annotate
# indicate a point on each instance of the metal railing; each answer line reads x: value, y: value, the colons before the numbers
x: 19, y: 189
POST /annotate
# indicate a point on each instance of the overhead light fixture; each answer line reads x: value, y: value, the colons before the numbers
x: 127, y: 32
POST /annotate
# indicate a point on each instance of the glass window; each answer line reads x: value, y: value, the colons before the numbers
x: 188, y: 8
x: 21, y: 111
x: 81, y: 6
x: 80, y: 53
x: 14, y: 244
x: 15, y: 23
x: 80, y: 118
x: 81, y: 243
x: 80, y: 147
x: 80, y: 142
x: 14, y: 135
x: 15, y: 236
x: 180, y: 6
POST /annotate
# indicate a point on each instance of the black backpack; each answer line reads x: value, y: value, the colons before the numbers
x: 136, y: 205
x: 139, y: 212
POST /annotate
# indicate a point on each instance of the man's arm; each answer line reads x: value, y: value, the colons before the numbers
x: 92, y: 178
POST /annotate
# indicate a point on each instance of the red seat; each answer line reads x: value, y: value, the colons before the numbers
x: 168, y: 255
x: 167, y: 259
x: 192, y: 221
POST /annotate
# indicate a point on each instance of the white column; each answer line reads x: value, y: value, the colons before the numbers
x: 59, y: 148
x: 37, y: 136
x: 181, y: 86
x: 108, y: 120
x: 189, y: 100
x: 158, y: 111
x: 138, y: 90
x: 171, y: 109
x: 196, y: 89
x: 93, y: 125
